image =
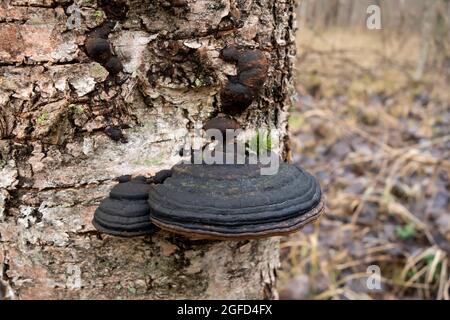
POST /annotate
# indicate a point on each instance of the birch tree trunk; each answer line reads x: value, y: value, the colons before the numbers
x: 68, y: 128
x: 426, y: 36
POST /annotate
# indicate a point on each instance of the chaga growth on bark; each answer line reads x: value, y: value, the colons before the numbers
x: 252, y: 68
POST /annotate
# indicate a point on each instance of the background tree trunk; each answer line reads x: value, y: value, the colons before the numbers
x: 427, y: 35
x: 57, y: 162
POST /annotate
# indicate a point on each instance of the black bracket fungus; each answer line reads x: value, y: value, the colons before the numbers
x: 126, y: 212
x: 242, y: 89
x: 234, y: 201
x: 227, y: 202
x: 213, y: 201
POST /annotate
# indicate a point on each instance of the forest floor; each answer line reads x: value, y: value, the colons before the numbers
x: 379, y: 143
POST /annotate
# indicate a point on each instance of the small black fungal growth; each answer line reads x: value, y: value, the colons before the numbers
x: 126, y: 212
x: 124, y: 178
x: 116, y: 134
x: 242, y: 89
x: 98, y: 48
x: 161, y: 176
x: 113, y: 65
x: 104, y: 30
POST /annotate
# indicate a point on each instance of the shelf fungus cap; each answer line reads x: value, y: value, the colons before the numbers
x: 126, y: 212
x: 234, y: 201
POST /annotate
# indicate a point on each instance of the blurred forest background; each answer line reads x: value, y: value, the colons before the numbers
x: 371, y: 119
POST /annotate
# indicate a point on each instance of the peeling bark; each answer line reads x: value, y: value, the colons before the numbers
x: 57, y: 162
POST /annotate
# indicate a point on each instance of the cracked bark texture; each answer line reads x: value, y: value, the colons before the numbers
x: 57, y: 163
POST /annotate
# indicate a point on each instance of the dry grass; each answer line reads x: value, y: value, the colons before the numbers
x: 380, y: 145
